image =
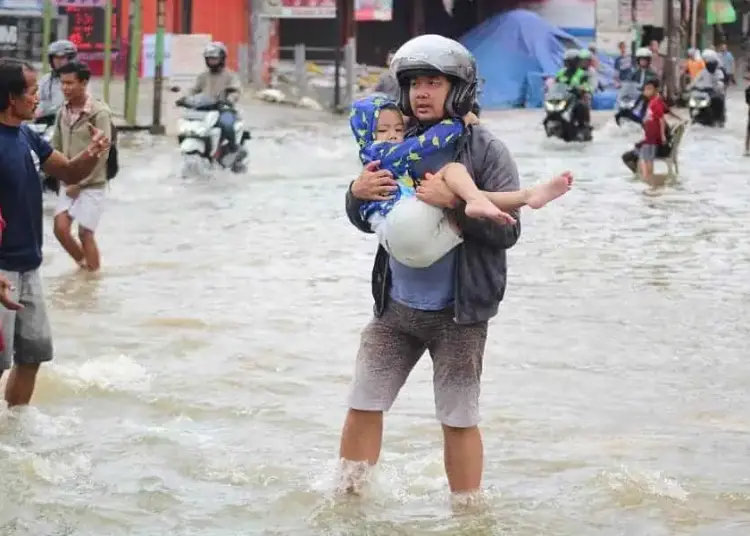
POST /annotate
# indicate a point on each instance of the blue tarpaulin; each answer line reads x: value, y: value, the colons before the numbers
x: 515, y: 51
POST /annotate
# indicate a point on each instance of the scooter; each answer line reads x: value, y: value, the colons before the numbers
x: 45, y: 127
x: 199, y: 134
x: 629, y: 104
x: 559, y: 104
x: 700, y: 108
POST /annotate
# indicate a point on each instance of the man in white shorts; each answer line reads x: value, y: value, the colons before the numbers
x: 82, y: 202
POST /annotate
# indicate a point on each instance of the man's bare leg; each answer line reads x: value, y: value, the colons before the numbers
x: 20, y: 386
x: 63, y: 225
x: 361, y: 440
x: 90, y: 249
x: 463, y: 456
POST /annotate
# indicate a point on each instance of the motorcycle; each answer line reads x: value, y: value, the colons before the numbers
x: 700, y: 108
x: 629, y: 104
x: 559, y: 104
x: 45, y: 127
x: 199, y: 134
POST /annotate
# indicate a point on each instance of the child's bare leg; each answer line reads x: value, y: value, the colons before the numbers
x: 647, y: 171
x: 478, y: 205
x: 534, y: 196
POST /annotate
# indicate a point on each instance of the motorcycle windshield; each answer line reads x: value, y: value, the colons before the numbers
x: 629, y: 92
x: 699, y: 94
x: 558, y: 92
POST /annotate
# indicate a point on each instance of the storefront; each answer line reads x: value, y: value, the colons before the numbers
x: 228, y: 23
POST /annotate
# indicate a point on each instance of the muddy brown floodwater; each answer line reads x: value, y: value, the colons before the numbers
x: 200, y: 381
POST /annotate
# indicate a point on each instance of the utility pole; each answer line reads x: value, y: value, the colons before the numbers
x: 135, y: 54
x: 670, y: 34
x: 46, y: 34
x: 107, y: 49
x: 340, y: 8
x: 161, y: 20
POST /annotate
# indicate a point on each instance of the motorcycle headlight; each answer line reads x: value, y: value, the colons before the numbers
x: 555, y: 106
x: 693, y: 103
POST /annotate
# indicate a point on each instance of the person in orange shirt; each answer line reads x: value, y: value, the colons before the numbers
x: 695, y: 64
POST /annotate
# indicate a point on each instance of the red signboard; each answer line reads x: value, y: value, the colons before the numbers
x: 86, y: 27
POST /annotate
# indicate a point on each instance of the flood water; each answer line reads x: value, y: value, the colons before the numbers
x: 200, y: 381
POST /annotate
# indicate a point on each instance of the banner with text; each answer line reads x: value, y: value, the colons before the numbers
x: 364, y: 10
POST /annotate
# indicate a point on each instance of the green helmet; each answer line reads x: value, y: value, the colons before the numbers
x: 584, y: 54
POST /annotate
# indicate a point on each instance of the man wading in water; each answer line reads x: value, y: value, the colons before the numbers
x: 28, y: 341
x: 443, y: 308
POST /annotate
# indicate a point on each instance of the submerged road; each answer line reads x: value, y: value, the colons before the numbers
x: 200, y: 379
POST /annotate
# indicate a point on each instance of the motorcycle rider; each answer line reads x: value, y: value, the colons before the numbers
x: 51, y: 96
x: 577, y: 78
x: 643, y: 70
x: 221, y: 84
x: 642, y: 74
x: 711, y: 78
x: 589, y: 65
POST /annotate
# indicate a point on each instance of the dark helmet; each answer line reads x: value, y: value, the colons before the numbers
x: 215, y: 50
x: 433, y: 55
x: 61, y: 49
x: 711, y: 58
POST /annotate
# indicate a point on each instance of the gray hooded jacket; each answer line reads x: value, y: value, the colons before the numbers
x: 51, y: 96
x: 481, y: 266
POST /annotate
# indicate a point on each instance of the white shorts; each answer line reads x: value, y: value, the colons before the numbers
x: 86, y: 209
x: 415, y: 234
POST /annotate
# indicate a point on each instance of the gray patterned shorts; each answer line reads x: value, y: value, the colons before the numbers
x: 391, y: 346
x: 647, y: 153
x: 26, y: 332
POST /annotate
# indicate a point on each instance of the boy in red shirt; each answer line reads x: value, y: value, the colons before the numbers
x: 654, y: 128
x: 5, y: 289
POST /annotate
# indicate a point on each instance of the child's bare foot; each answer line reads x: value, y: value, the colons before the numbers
x: 482, y: 208
x: 543, y: 193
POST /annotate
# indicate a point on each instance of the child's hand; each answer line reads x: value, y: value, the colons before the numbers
x: 471, y: 119
x: 5, y: 299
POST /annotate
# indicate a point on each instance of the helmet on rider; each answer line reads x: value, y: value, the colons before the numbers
x: 215, y: 56
x: 435, y: 55
x: 643, y: 57
x: 711, y: 58
x: 570, y: 59
x: 61, y: 52
x: 585, y: 56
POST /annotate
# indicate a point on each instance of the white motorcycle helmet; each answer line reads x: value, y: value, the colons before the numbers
x: 710, y: 56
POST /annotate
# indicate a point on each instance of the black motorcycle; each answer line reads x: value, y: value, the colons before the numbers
x: 560, y: 104
x: 630, y: 104
x: 701, y: 110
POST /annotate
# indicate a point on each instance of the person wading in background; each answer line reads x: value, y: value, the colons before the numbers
x: 82, y: 202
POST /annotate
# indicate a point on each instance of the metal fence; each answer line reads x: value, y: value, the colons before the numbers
x: 309, y: 72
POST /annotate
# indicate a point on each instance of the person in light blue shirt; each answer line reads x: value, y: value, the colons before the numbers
x: 623, y: 64
x: 727, y: 63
